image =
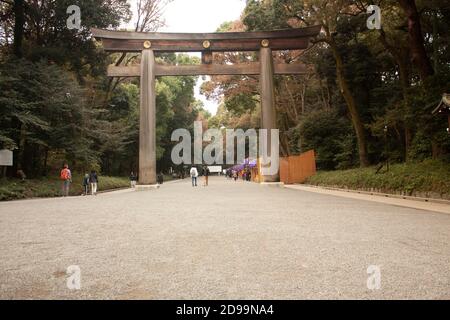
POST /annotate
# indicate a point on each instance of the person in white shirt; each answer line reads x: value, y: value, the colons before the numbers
x: 194, y: 176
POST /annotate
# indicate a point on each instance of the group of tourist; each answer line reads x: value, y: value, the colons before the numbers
x: 90, y: 182
x: 195, y: 176
x: 245, y: 174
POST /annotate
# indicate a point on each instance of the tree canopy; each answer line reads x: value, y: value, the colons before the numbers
x: 382, y: 84
x: 56, y: 103
x: 368, y: 95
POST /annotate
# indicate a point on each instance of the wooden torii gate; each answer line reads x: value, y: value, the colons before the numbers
x: 207, y: 43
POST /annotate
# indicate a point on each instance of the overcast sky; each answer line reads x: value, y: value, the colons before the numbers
x: 200, y: 16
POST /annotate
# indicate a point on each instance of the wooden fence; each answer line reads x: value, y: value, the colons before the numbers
x: 293, y: 169
x: 296, y: 169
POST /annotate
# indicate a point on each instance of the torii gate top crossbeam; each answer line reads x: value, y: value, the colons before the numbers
x: 124, y: 41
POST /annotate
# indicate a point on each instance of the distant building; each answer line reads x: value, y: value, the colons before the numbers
x: 215, y: 169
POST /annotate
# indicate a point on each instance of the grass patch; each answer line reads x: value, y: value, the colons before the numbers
x: 14, y: 189
x: 429, y: 178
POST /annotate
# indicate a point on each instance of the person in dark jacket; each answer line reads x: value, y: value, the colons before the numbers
x: 160, y: 178
x: 133, y: 180
x: 93, y: 180
x: 86, y: 184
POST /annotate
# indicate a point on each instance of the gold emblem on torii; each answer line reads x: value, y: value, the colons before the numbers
x: 147, y: 44
x: 206, y: 44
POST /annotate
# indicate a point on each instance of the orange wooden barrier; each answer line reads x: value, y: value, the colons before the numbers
x: 296, y: 169
x: 293, y: 169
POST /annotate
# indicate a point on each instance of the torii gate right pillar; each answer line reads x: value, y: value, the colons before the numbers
x: 268, y: 113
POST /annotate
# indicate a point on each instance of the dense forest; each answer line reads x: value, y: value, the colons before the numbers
x: 56, y: 103
x: 368, y: 95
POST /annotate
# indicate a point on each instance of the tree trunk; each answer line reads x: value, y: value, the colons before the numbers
x: 19, y: 22
x: 436, y: 149
x: 435, y: 43
x: 351, y: 105
x: 400, y: 56
x: 418, y: 53
x: 45, y: 170
x: 303, y: 94
x: 407, y: 142
x: 22, y: 144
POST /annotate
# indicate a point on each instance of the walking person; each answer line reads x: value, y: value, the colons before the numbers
x: 86, y: 184
x: 93, y: 180
x: 194, y: 176
x: 207, y: 173
x: 133, y: 180
x: 160, y: 178
x: 66, y: 177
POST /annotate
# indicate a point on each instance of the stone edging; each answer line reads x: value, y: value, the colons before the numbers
x: 387, y: 195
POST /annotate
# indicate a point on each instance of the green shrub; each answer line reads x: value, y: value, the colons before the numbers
x: 45, y: 188
x: 426, y: 176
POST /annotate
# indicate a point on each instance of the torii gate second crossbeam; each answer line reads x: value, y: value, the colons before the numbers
x: 207, y: 43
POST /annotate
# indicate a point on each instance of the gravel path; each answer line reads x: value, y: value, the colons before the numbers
x: 229, y: 241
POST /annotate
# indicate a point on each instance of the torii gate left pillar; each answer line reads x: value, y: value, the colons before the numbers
x: 147, y: 131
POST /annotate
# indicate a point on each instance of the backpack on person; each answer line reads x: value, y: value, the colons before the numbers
x: 65, y: 175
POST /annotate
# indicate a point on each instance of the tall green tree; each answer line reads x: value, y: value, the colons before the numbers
x: 44, y: 109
